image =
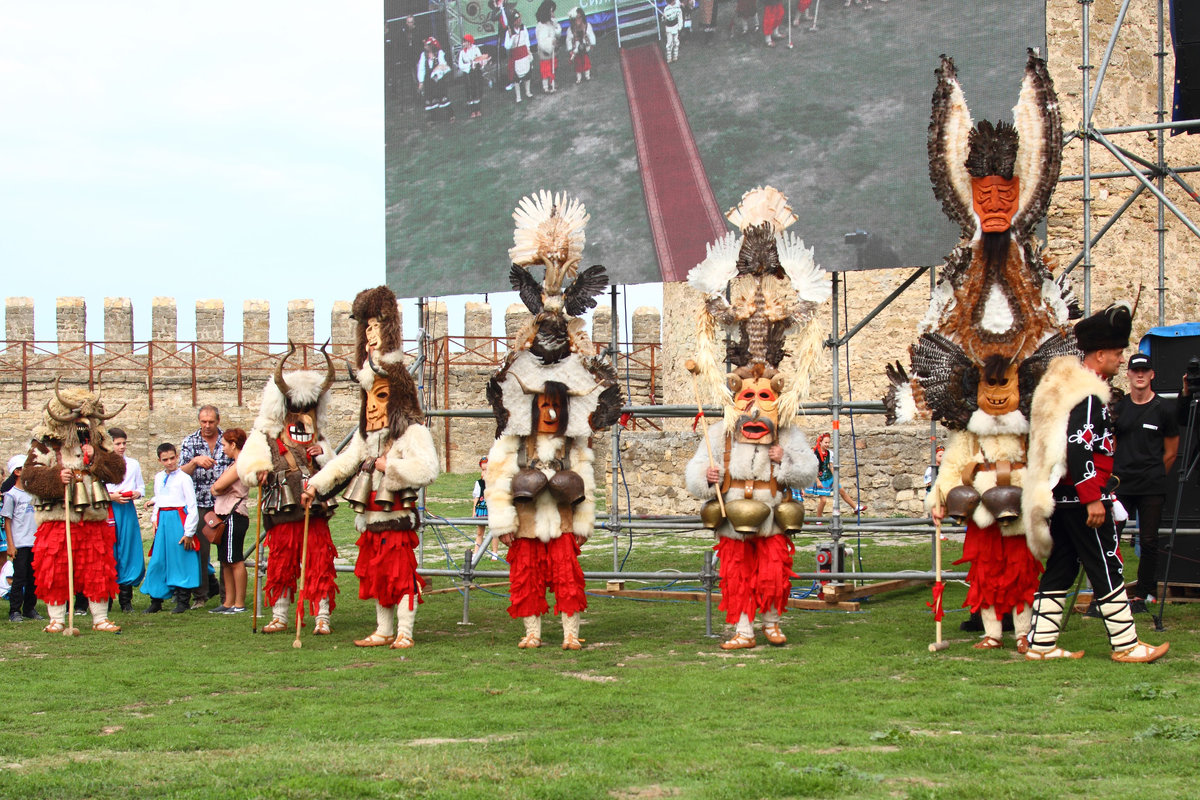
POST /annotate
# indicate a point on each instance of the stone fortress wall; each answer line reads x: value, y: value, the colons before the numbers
x: 884, y: 464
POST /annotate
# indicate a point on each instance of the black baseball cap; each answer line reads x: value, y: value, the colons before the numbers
x: 1139, y: 361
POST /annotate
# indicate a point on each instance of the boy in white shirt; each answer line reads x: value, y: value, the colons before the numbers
x: 20, y: 526
x: 131, y: 560
x: 174, y: 566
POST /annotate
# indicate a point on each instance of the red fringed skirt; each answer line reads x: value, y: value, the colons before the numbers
x: 1003, y: 574
x: 93, y: 556
x: 387, y: 567
x: 756, y: 574
x: 535, y: 566
x: 285, y: 542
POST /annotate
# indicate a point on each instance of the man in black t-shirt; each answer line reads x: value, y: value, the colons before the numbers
x: 1147, y: 441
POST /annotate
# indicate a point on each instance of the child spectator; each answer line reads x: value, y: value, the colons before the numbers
x: 131, y: 558
x: 19, y: 527
x: 580, y: 41
x: 471, y: 60
x: 672, y: 15
x: 480, y: 509
x: 174, y: 566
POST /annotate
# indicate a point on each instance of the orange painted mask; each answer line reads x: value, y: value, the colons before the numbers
x: 549, y: 416
x: 995, y: 201
x: 757, y: 399
x: 999, y: 392
x: 377, y: 399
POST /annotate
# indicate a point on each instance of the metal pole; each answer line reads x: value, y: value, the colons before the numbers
x: 1085, y: 126
x: 835, y: 405
x: 1125, y: 162
x: 614, y: 519
x: 1112, y: 43
x: 1160, y: 116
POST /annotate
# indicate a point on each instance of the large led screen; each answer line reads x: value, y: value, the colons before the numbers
x: 834, y: 113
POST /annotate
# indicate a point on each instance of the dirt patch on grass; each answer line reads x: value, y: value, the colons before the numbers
x: 499, y: 737
x: 591, y: 678
x: 652, y: 792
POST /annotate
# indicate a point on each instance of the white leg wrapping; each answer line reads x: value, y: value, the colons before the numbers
x: 57, y: 613
x: 384, y: 619
x: 1118, y: 619
x: 405, y: 617
x: 570, y: 623
x: 279, y: 611
x: 745, y: 626
x: 992, y: 625
x: 99, y: 609
x: 323, y: 610
x: 1047, y: 620
x: 533, y: 626
x: 770, y: 617
x: 1022, y: 621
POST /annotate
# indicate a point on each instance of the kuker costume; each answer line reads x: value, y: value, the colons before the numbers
x: 390, y: 458
x: 550, y: 395
x: 74, y: 417
x: 1071, y: 446
x: 762, y: 459
x: 292, y: 419
x: 995, y: 320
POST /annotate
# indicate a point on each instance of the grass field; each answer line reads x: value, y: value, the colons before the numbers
x: 195, y: 706
x: 838, y: 124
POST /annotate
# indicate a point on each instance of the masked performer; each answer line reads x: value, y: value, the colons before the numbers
x: 69, y: 462
x: 996, y: 319
x: 756, y: 457
x: 390, y: 458
x: 1068, y: 506
x: 286, y: 446
x: 550, y: 395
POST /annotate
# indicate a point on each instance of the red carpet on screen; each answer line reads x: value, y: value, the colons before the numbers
x: 684, y: 216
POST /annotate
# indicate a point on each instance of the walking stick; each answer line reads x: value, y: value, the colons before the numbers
x: 300, y: 587
x: 691, y: 367
x: 938, y: 587
x: 257, y: 557
x: 70, y: 629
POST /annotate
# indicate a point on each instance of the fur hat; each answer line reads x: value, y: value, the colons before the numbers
x: 1105, y: 330
x: 380, y: 303
x: 71, y: 407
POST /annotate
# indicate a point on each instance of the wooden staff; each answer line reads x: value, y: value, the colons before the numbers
x: 692, y: 369
x: 939, y: 644
x: 300, y: 586
x: 257, y: 557
x: 69, y: 629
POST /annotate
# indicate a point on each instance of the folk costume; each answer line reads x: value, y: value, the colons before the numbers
x: 286, y: 446
x: 549, y: 396
x: 470, y: 63
x: 433, y: 77
x: 174, y: 567
x: 390, y: 458
x: 520, y: 57
x: 72, y: 436
x: 1072, y: 443
x: 580, y: 41
x: 548, y: 34
x: 130, y: 556
x: 995, y: 320
x: 757, y: 458
x: 672, y: 17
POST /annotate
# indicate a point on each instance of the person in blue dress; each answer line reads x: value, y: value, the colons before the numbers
x: 174, y: 566
x: 131, y: 558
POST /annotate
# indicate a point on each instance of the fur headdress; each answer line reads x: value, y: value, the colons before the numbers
x: 403, y: 403
x: 774, y: 286
x: 996, y: 305
x: 301, y: 390
x: 70, y: 409
x: 1106, y: 330
x: 554, y: 346
x: 380, y: 303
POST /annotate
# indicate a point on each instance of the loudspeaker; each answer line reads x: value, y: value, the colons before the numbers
x: 1169, y: 357
x: 1185, y: 18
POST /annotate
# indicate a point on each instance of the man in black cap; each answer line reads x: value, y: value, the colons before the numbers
x: 1069, y: 489
x: 1147, y: 441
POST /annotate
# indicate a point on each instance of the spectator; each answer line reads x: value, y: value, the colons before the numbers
x: 708, y: 19
x: 745, y: 19
x: 433, y: 79
x: 1147, y: 441
x: 203, y: 458
x: 580, y: 41
x: 520, y: 58
x: 480, y: 509
x: 19, y: 529
x: 131, y: 557
x: 931, y: 472
x: 230, y: 504
x: 471, y: 61
x: 408, y: 45
x: 823, y: 488
x: 672, y: 15
x: 173, y: 568
x: 547, y: 44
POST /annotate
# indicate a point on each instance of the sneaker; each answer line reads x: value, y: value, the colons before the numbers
x: 1138, y: 606
x: 236, y: 610
x: 221, y: 609
x: 32, y: 615
x: 15, y: 617
x: 860, y: 509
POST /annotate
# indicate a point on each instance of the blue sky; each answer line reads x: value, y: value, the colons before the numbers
x: 217, y: 149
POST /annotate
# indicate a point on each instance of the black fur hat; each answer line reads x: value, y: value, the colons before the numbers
x: 1105, y: 330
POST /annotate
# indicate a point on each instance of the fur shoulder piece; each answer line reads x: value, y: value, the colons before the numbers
x: 305, y: 390
x: 1065, y: 384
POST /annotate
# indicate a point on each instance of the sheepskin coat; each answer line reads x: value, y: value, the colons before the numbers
x: 41, y: 476
x: 797, y: 470
x: 963, y: 449
x: 503, y: 465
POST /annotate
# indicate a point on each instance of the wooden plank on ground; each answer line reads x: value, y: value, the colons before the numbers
x: 842, y: 592
x: 697, y: 596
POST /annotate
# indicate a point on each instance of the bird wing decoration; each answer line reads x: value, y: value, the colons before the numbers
x: 581, y: 294
x: 946, y: 382
x: 527, y: 287
x: 949, y: 130
x: 1039, y: 151
x: 1030, y: 372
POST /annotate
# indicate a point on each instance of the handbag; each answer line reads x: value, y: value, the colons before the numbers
x: 213, y: 527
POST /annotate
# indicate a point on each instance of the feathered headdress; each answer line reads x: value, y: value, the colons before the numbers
x: 774, y: 287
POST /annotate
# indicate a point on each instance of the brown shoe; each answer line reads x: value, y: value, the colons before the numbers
x: 374, y: 640
x: 739, y: 642
x: 1053, y: 654
x: 275, y: 626
x: 1141, y: 653
x: 402, y: 642
x: 988, y: 643
x: 774, y: 636
x: 1022, y: 644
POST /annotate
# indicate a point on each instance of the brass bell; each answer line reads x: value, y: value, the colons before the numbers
x: 528, y: 484
x: 789, y: 516
x: 406, y: 498
x: 961, y: 501
x: 358, y: 493
x: 81, y: 498
x: 711, y: 516
x: 287, y: 498
x: 566, y: 486
x: 330, y: 504
x: 98, y: 491
x: 1004, y: 502
x: 747, y: 516
x: 385, y: 498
